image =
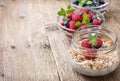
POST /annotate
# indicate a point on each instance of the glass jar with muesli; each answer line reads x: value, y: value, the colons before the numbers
x: 94, y: 51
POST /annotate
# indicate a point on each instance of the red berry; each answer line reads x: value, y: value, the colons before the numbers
x: 90, y: 15
x: 96, y: 22
x: 88, y: 57
x: 99, y: 43
x: 86, y: 44
x: 70, y: 15
x: 84, y: 10
x: 62, y: 23
x: 76, y: 17
x: 72, y: 25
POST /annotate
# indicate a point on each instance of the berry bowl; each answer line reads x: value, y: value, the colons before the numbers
x: 69, y: 20
x: 99, y: 5
x: 94, y: 51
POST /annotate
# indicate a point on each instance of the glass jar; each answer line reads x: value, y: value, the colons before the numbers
x: 101, y: 8
x: 94, y: 62
x: 69, y: 32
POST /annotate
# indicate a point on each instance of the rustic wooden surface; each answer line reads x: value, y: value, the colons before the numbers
x: 26, y: 54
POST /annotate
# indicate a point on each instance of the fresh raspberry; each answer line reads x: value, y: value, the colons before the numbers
x: 86, y: 44
x: 72, y: 25
x: 84, y: 11
x: 62, y: 23
x: 96, y: 22
x: 70, y: 15
x: 76, y: 17
x: 99, y: 43
x: 90, y: 15
x: 89, y: 57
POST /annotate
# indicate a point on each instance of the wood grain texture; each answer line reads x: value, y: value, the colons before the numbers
x: 25, y: 52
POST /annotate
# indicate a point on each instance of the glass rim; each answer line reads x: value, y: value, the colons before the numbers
x: 111, y: 48
x: 95, y: 11
x: 107, y: 3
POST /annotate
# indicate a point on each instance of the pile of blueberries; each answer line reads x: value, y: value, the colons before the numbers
x: 89, y: 3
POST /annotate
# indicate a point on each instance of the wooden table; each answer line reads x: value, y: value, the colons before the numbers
x: 26, y: 54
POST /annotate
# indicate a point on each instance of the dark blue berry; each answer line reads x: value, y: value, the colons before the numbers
x: 81, y: 13
x: 101, y: 1
x: 75, y: 2
x: 103, y: 46
x: 94, y: 17
x: 101, y: 20
x: 67, y: 22
x: 96, y: 3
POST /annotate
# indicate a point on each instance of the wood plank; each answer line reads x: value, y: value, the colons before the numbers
x: 26, y: 54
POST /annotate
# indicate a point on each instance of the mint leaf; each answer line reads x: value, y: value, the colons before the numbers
x: 62, y: 12
x: 82, y: 2
x: 77, y: 24
x: 94, y: 43
x: 85, y: 20
x: 93, y: 40
x: 69, y: 11
x: 68, y: 7
x: 89, y: 2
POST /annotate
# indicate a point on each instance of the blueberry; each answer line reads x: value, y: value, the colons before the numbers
x: 67, y: 22
x: 103, y: 46
x: 96, y: 3
x: 75, y: 2
x: 81, y: 13
x: 94, y: 17
x: 101, y: 20
x: 101, y: 1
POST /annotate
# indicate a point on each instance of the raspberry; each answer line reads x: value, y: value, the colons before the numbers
x: 72, y: 25
x: 62, y: 23
x: 84, y: 11
x: 70, y: 15
x: 96, y: 22
x: 90, y: 15
x: 86, y: 44
x: 99, y: 43
x: 76, y: 17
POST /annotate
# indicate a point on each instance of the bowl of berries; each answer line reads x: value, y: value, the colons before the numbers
x: 99, y: 5
x: 94, y: 51
x: 70, y: 19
